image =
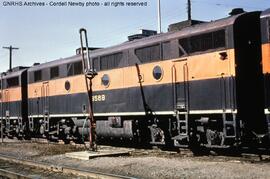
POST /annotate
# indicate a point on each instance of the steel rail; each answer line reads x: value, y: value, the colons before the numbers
x: 63, y: 169
x: 12, y: 175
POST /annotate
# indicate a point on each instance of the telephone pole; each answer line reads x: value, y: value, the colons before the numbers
x: 189, y: 9
x: 10, y: 48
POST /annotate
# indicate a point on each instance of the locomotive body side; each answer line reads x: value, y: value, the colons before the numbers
x: 57, y: 99
x: 141, y: 86
x: 184, y: 86
x: 14, y: 103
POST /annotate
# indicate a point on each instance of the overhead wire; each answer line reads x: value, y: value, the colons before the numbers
x: 3, y: 55
x: 108, y: 39
x: 111, y: 37
x: 229, y: 5
x: 118, y: 32
x: 148, y: 23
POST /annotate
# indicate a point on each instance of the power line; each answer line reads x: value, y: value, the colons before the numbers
x: 225, y: 4
x: 3, y: 55
x: 10, y: 48
x: 149, y: 22
x: 120, y: 30
x: 135, y: 25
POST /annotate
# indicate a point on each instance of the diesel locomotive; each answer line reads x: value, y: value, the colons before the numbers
x: 203, y: 85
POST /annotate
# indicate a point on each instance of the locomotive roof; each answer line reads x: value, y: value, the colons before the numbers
x: 265, y: 13
x: 195, y: 29
x: 55, y: 62
x: 13, y: 74
x: 192, y: 30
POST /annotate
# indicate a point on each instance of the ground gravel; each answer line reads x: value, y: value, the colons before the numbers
x: 160, y: 167
x: 144, y: 163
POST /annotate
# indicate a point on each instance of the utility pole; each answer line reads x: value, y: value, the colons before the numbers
x: 159, y: 17
x: 189, y: 9
x: 10, y: 48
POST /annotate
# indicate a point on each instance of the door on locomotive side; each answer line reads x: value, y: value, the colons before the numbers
x: 6, y: 103
x: 45, y: 98
x: 6, y: 109
x: 180, y: 85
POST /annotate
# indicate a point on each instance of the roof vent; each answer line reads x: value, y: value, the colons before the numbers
x: 78, y: 50
x: 143, y: 33
x: 183, y: 24
x: 236, y: 11
x: 18, y: 68
x: 35, y: 64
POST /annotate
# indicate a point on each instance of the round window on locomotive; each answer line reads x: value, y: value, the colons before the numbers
x: 157, y: 73
x: 105, y: 80
x: 67, y: 85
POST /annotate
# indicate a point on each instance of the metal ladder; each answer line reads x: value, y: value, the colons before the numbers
x: 181, y: 106
x: 46, y: 122
x: 182, y: 124
x: 31, y: 124
x: 8, y: 124
x: 182, y: 139
x: 228, y: 125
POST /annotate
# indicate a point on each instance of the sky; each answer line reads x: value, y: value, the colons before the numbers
x: 47, y: 33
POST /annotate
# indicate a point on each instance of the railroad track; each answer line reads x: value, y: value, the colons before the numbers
x: 10, y: 175
x: 10, y: 155
x: 53, y: 168
x: 224, y: 154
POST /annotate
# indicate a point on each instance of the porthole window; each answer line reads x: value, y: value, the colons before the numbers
x: 157, y: 73
x: 105, y: 80
x: 67, y: 85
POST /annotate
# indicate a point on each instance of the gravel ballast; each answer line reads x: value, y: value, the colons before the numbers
x: 143, y: 163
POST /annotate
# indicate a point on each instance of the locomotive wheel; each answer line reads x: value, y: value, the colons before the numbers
x: 19, y: 137
x: 199, y: 150
x: 27, y: 137
x: 196, y: 147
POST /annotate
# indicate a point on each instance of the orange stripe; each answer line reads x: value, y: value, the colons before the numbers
x: 204, y: 66
x: 57, y: 87
x: 266, y: 58
x: 11, y: 94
